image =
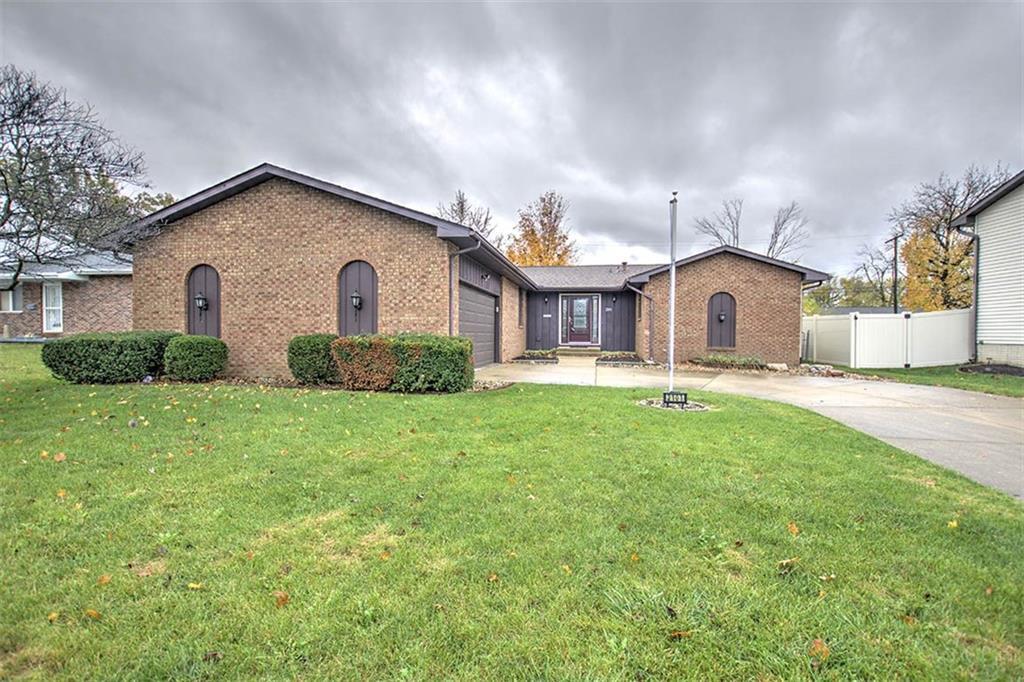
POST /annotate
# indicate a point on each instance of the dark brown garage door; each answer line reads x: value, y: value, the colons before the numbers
x: 476, y: 321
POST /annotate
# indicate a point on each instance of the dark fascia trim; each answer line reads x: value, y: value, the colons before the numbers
x: 967, y: 217
x: 807, y: 274
x: 582, y: 290
x: 266, y: 171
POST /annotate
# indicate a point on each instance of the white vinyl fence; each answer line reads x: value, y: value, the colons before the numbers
x: 889, y: 340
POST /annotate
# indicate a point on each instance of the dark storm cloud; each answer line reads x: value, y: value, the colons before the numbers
x: 842, y: 107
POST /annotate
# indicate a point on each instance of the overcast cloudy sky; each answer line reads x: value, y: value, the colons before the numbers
x: 843, y: 107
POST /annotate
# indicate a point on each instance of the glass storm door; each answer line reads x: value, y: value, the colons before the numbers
x: 53, y: 308
x: 581, y: 318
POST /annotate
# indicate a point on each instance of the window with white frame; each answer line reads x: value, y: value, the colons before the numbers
x: 11, y: 300
x: 53, y: 307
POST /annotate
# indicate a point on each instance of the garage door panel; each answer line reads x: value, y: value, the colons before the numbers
x: 476, y: 321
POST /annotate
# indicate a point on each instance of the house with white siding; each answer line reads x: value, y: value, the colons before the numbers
x: 996, y: 223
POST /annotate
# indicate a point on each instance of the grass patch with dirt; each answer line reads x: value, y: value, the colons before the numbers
x: 225, y: 531
x: 951, y: 377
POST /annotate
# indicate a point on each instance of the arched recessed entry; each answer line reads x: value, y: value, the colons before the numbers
x: 203, y: 301
x: 722, y: 321
x: 357, y: 299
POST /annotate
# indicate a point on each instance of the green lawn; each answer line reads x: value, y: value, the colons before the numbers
x: 174, y: 531
x: 952, y: 377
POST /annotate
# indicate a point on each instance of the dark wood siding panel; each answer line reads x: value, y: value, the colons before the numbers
x: 618, y: 321
x: 477, y: 321
x: 541, y: 331
x: 475, y: 274
x: 203, y: 279
x: 357, y: 276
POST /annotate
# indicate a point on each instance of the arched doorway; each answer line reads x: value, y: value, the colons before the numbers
x: 203, y: 301
x: 357, y: 299
x: 722, y: 321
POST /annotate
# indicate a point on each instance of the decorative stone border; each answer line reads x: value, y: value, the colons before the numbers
x: 657, y: 404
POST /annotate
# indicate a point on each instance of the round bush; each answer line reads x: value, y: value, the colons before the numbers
x: 195, y: 358
x: 108, y: 358
x: 310, y: 359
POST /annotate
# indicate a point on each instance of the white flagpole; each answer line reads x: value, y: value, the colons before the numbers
x: 672, y: 295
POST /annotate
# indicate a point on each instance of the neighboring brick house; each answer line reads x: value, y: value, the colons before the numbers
x: 270, y: 254
x: 94, y: 295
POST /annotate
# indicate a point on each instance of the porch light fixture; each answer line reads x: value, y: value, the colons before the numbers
x: 357, y: 300
x: 202, y: 303
x: 721, y: 317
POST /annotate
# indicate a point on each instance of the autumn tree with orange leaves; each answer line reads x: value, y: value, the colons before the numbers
x: 939, y: 260
x: 541, y: 236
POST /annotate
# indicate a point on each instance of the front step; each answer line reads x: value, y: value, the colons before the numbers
x: 578, y: 351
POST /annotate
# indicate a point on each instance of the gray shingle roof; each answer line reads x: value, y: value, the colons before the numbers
x: 583, y: 276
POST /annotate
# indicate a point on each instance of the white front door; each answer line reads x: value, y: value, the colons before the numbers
x: 53, y: 308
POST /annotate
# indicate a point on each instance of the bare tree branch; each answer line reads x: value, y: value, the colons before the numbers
x: 789, y: 232
x: 60, y: 176
x: 460, y: 210
x: 723, y: 227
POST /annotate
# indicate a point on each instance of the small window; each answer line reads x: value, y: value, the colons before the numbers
x: 11, y: 300
x: 639, y: 307
x: 522, y: 307
x: 53, y: 308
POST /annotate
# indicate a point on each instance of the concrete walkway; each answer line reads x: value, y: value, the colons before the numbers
x: 979, y: 435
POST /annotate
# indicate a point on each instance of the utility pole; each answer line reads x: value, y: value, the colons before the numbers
x: 672, y: 294
x: 895, y: 272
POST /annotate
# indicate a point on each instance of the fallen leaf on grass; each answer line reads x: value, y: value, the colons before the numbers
x: 59, y: 457
x: 793, y: 529
x: 212, y: 656
x: 52, y: 616
x: 988, y: 591
x: 93, y: 613
x: 61, y: 494
x: 953, y: 524
x: 786, y: 566
x: 492, y: 578
x: 819, y: 651
x: 385, y: 555
x: 634, y: 557
x: 195, y: 586
x: 677, y: 635
x: 44, y: 455
x: 281, y: 598
x: 909, y: 619
x: 103, y: 579
x: 567, y: 568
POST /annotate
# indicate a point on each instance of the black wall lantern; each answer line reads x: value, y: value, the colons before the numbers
x: 721, y: 317
x: 201, y: 302
x: 357, y: 300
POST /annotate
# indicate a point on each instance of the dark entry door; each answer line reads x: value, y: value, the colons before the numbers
x: 581, y: 319
x: 203, y: 302
x: 477, y: 320
x: 722, y: 321
x: 357, y: 299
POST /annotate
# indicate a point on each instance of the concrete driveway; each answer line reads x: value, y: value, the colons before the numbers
x: 981, y: 436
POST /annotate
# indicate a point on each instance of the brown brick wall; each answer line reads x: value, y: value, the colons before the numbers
x: 103, y: 304
x: 278, y: 249
x: 100, y: 304
x: 513, y: 337
x: 767, y: 308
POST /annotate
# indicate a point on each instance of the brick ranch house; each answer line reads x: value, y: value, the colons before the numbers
x: 52, y: 300
x: 270, y: 254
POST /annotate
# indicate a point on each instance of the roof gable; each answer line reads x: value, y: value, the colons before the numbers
x: 807, y: 274
x: 462, y: 236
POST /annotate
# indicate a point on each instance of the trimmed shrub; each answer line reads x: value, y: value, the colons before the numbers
x: 365, y: 363
x: 195, y: 358
x: 310, y: 359
x: 409, y: 363
x: 111, y: 358
x: 731, y: 361
x: 428, y: 362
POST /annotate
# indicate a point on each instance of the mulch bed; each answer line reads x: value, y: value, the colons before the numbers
x: 621, y: 360
x: 1008, y: 370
